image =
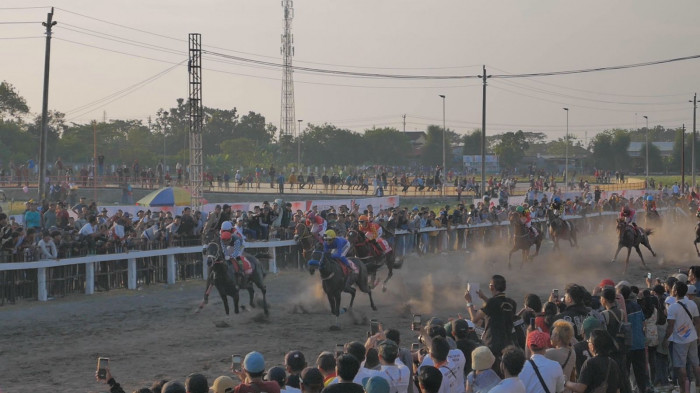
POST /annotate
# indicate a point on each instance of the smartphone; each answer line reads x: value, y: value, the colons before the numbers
x: 649, y: 275
x: 102, y: 365
x: 339, y: 349
x: 236, y: 362
x: 556, y: 293
x: 415, y: 347
x: 373, y: 326
x: 417, y: 320
x: 532, y: 323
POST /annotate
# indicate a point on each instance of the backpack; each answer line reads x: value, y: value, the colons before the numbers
x: 624, y: 331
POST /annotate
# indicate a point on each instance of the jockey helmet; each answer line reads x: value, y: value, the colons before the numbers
x: 626, y: 210
x: 520, y: 209
x: 329, y: 235
x: 650, y: 198
x: 225, y: 235
x: 556, y: 199
x: 363, y: 218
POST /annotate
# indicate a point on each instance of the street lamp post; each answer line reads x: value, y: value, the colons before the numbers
x: 692, y: 149
x: 299, y: 146
x: 646, y: 138
x: 443, y: 145
x: 566, y: 159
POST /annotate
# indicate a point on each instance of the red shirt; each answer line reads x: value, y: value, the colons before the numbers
x: 259, y: 387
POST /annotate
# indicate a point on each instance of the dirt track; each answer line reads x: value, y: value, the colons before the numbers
x: 154, y: 333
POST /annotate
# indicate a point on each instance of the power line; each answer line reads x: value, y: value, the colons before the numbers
x: 19, y: 38
x: 114, y: 51
x: 18, y: 23
x: 23, y: 8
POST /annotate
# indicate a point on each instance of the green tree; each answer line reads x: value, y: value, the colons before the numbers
x: 11, y: 103
x: 511, y: 149
x: 385, y: 146
x: 471, y: 143
x: 433, y: 148
x: 252, y: 126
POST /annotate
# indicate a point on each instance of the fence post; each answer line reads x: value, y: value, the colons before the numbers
x: 172, y: 269
x: 42, y: 294
x: 90, y: 278
x: 131, y: 263
x: 272, y: 263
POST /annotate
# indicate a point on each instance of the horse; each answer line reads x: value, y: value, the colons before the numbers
x: 306, y: 240
x: 334, y: 279
x: 628, y: 238
x: 560, y: 229
x: 228, y: 281
x: 372, y: 256
x: 697, y: 237
x: 522, y: 240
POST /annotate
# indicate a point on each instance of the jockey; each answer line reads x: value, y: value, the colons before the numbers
x: 628, y: 215
x: 373, y: 232
x: 339, y: 248
x: 650, y: 204
x: 233, y: 246
x: 526, y: 220
x: 556, y: 206
x: 318, y: 225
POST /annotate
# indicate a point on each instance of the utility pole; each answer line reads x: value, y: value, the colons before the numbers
x: 566, y: 160
x: 45, y: 108
x: 692, y: 160
x: 647, y: 153
x: 299, y: 146
x: 683, y: 161
x: 404, y: 123
x: 94, y: 159
x: 483, y: 133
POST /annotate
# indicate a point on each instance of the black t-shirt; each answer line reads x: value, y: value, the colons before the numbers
x: 594, y: 371
x: 344, y: 388
x: 498, y: 331
x: 467, y: 346
x: 582, y: 354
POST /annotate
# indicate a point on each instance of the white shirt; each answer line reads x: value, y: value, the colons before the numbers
x: 456, y: 362
x: 449, y: 379
x: 289, y: 389
x: 361, y: 375
x: 683, y: 328
x: 398, y: 375
x: 86, y: 230
x: 551, y: 373
x: 48, y: 250
x: 509, y: 385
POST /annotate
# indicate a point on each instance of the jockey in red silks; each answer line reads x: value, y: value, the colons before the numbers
x: 373, y: 232
x: 233, y: 246
x: 526, y: 219
x: 318, y: 225
x: 628, y: 215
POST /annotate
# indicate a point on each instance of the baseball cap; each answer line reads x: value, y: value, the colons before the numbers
x: 692, y: 290
x: 226, y: 226
x: 622, y: 283
x: 460, y: 325
x: 295, y: 360
x: 538, y: 340
x: 311, y: 376
x: 376, y: 384
x: 223, y: 384
x: 254, y: 362
x: 607, y: 283
x: 589, y: 325
x: 277, y: 374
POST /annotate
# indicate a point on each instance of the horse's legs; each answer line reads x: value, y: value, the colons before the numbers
x: 627, y: 261
x: 619, y: 247
x: 352, y: 293
x: 526, y: 255
x: 260, y: 284
x: 390, y: 267
x: 251, y: 295
x: 333, y: 304
x: 648, y: 245
x: 510, y: 254
x: 695, y: 243
x: 236, y: 298
x: 640, y: 256
x: 371, y: 301
x: 224, y: 298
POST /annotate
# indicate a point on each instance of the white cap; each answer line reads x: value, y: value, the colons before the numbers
x: 692, y: 291
x: 226, y: 226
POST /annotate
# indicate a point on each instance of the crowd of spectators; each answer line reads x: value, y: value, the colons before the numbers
x: 616, y: 338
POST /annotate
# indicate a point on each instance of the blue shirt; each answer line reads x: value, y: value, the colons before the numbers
x: 337, y: 244
x: 636, y: 319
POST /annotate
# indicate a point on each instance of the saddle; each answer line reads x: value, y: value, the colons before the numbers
x: 346, y: 270
x: 242, y: 263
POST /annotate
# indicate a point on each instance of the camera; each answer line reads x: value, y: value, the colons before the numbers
x: 415, y: 347
x: 373, y: 327
x: 339, y: 349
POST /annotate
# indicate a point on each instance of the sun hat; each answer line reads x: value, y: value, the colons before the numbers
x: 254, y: 362
x: 223, y: 384
x: 482, y: 358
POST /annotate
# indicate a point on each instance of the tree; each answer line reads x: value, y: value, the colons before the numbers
x: 385, y: 146
x: 472, y: 143
x: 511, y: 149
x: 252, y: 126
x: 11, y: 103
x: 433, y: 148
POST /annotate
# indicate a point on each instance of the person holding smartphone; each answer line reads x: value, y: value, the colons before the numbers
x: 103, y: 369
x: 252, y: 376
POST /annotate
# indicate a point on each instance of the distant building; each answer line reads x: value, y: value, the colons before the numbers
x: 637, y: 149
x: 417, y: 140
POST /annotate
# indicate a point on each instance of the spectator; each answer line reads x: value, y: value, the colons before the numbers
x: 575, y: 310
x: 326, y: 365
x: 196, y: 383
x: 581, y: 348
x: 277, y: 374
x: 399, y: 376
x: 429, y: 379
x: 294, y: 363
x: 251, y: 376
x: 47, y: 247
x: 347, y: 367
x: 512, y: 362
x: 601, y: 344
x: 482, y: 379
x: 683, y: 322
x: 498, y: 315
x: 541, y: 375
x: 359, y: 351
x: 636, y: 355
x: 223, y: 384
x: 311, y: 380
x: 376, y: 385
x: 173, y: 387
x: 562, y: 353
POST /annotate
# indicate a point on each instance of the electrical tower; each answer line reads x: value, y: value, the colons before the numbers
x: 196, y: 118
x: 287, y: 115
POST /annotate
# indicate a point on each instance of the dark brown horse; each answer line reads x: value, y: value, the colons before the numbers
x: 560, y: 229
x: 697, y: 237
x: 306, y: 240
x: 629, y: 237
x: 371, y: 254
x: 228, y: 281
x: 523, y: 240
x: 334, y: 282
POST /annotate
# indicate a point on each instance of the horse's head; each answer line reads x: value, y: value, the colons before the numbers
x: 316, y: 261
x: 353, y: 236
x: 300, y: 229
x: 212, y: 253
x: 621, y: 224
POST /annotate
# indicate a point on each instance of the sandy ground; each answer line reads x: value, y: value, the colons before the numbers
x: 154, y: 333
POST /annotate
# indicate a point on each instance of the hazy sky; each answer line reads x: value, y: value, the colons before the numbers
x: 442, y: 37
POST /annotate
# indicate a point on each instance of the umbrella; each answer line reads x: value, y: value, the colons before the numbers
x: 168, y: 196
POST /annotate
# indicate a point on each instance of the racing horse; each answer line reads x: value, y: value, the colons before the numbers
x: 228, y: 280
x: 306, y: 240
x: 628, y: 238
x: 697, y: 237
x: 334, y: 279
x: 561, y: 229
x: 523, y: 240
x: 373, y: 257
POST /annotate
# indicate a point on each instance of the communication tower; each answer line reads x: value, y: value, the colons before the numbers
x: 287, y: 115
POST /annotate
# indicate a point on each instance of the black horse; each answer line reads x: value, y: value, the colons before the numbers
x: 228, y: 281
x: 523, y: 240
x: 334, y: 281
x: 561, y: 229
x: 697, y: 237
x: 373, y: 257
x: 628, y: 238
x: 306, y: 240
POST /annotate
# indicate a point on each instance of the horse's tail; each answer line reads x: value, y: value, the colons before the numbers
x: 648, y: 231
